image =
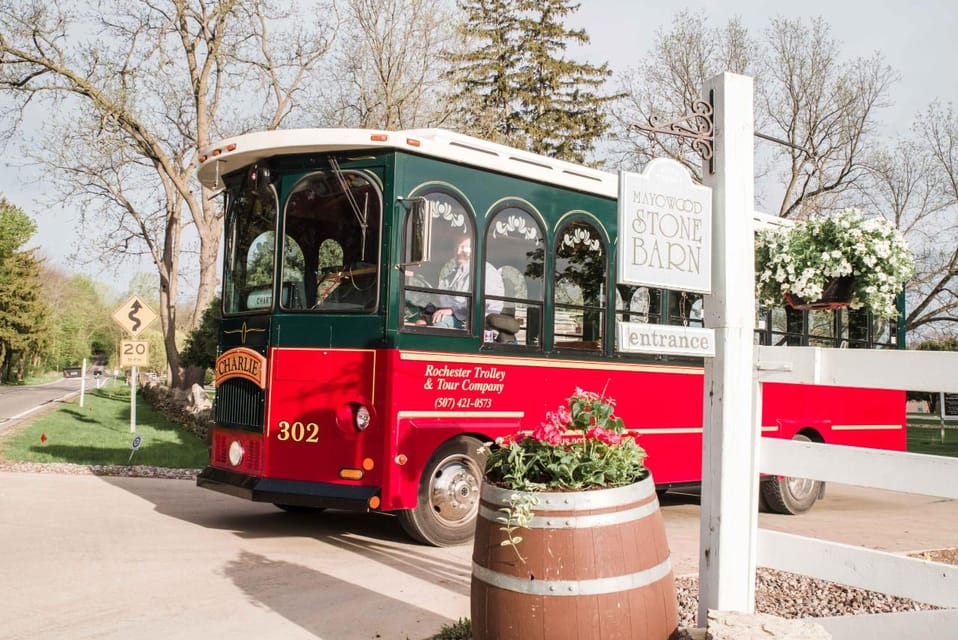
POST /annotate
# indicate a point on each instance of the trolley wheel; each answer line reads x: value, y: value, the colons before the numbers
x: 298, y: 508
x: 448, y: 499
x: 791, y: 496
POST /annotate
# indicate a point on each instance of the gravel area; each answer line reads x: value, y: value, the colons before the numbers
x: 790, y: 595
x: 132, y: 471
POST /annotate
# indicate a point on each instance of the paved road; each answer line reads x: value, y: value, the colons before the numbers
x: 118, y: 558
x: 17, y: 403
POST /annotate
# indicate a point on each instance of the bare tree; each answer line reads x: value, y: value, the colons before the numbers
x: 822, y: 110
x: 130, y: 91
x: 915, y: 184
x: 669, y: 80
x: 387, y: 71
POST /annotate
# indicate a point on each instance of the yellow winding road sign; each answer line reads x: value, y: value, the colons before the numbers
x: 134, y: 316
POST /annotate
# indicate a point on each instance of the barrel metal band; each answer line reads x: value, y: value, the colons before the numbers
x: 578, y: 522
x: 594, y: 587
x: 577, y: 500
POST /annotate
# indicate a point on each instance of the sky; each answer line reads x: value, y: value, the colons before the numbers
x: 919, y: 39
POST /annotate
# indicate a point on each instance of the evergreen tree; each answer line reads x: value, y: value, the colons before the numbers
x: 486, y: 70
x: 513, y: 84
x: 16, y: 227
x: 23, y: 329
x: 560, y: 106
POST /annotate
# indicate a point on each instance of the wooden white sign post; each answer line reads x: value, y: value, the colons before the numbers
x: 729, y: 518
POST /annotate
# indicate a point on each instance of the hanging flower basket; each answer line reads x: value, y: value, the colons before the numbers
x: 836, y: 295
x: 834, y: 261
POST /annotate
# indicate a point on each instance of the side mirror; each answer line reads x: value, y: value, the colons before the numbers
x: 258, y: 181
x: 419, y: 241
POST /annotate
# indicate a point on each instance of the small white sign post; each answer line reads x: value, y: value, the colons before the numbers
x: 82, y: 382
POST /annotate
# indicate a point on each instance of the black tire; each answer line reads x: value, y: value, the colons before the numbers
x: 448, y: 500
x: 791, y: 496
x: 298, y: 508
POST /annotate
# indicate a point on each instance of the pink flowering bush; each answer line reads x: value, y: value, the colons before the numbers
x: 580, y: 445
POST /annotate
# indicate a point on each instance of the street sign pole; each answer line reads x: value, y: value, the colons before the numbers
x: 133, y: 401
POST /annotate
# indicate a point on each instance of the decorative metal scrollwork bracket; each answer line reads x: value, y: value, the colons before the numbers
x: 695, y: 127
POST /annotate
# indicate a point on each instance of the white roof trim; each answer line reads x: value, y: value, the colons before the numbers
x: 436, y: 143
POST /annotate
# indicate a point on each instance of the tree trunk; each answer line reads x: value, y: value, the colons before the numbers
x: 209, y: 227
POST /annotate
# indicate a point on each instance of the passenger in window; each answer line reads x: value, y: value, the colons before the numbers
x: 453, y: 310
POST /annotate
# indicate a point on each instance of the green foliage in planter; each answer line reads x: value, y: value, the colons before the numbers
x: 579, y: 446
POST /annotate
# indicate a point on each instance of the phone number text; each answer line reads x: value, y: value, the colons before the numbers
x: 463, y: 403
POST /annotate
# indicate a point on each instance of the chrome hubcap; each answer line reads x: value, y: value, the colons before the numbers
x: 454, y: 489
x: 801, y: 487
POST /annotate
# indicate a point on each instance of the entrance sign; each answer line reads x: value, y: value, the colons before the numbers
x: 134, y: 316
x: 665, y: 228
x: 639, y: 337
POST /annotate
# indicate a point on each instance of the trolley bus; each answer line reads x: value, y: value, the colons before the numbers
x: 394, y: 299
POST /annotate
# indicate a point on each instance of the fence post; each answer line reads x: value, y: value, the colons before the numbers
x: 729, y: 517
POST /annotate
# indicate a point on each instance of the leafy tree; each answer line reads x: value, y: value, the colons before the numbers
x: 79, y: 319
x: 513, y: 85
x: 23, y: 327
x: 200, y: 347
x: 16, y: 228
x: 948, y: 343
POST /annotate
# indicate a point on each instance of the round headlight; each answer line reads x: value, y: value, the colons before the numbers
x: 236, y: 453
x: 361, y: 418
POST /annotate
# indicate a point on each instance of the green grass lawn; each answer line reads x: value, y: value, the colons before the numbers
x: 929, y: 440
x: 99, y: 433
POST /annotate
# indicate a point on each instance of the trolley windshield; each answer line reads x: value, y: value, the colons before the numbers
x: 326, y: 258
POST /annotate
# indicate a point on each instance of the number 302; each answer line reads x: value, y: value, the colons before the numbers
x: 298, y: 432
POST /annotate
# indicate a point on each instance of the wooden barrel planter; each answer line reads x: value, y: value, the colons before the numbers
x: 597, y: 566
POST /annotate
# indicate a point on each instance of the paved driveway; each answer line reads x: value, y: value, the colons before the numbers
x: 120, y: 558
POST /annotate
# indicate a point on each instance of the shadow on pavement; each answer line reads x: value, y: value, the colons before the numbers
x: 455, y: 577
x: 322, y: 604
x: 375, y: 536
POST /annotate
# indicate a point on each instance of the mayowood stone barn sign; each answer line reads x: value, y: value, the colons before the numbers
x: 665, y: 240
x: 665, y: 228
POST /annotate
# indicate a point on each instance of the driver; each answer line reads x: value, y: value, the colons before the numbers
x: 453, y: 311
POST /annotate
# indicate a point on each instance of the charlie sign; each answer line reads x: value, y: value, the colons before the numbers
x: 665, y: 228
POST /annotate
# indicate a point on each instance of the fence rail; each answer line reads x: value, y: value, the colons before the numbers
x: 921, y: 580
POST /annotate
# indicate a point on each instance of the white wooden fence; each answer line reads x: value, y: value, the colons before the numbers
x: 734, y: 452
x: 929, y: 582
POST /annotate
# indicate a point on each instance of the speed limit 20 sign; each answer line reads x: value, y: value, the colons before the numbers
x: 134, y: 353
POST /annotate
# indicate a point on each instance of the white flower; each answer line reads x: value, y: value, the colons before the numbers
x: 802, y: 259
